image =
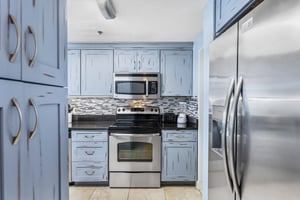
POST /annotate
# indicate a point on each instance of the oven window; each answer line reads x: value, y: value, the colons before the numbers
x: 135, y: 151
x: 131, y: 87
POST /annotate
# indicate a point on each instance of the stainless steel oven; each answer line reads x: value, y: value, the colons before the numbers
x: 135, y: 148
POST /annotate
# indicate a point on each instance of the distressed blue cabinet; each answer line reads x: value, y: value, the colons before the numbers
x: 74, y: 72
x: 33, y: 49
x: 89, y: 156
x: 96, y: 72
x: 228, y: 10
x: 128, y: 60
x: 176, y: 72
x: 33, y: 151
x: 179, y: 155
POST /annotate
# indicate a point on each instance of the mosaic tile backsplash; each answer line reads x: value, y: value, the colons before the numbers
x: 107, y: 105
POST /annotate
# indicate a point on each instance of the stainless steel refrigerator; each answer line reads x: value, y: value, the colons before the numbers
x: 254, y: 151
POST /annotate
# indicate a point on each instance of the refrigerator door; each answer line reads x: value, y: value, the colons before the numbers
x: 269, y: 106
x: 223, y: 72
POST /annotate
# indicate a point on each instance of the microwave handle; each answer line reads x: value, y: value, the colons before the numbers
x: 147, y: 88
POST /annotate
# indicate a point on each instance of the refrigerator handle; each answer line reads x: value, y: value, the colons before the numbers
x: 229, y: 96
x: 232, y: 141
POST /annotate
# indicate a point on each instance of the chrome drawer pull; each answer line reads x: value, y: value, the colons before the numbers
x: 89, y: 153
x: 17, y: 105
x: 90, y: 173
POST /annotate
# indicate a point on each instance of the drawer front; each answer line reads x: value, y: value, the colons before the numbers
x: 89, y: 151
x: 89, y: 136
x: 87, y: 172
x: 179, y: 135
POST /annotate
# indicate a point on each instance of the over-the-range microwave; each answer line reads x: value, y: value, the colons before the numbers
x: 136, y: 85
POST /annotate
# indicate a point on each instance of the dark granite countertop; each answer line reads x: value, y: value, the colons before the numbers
x: 91, y: 122
x: 174, y: 126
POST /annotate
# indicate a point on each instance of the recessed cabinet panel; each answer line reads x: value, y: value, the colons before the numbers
x: 128, y: 60
x: 176, y: 73
x: 74, y: 72
x: 96, y: 72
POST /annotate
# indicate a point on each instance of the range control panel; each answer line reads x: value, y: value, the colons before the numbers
x: 138, y: 110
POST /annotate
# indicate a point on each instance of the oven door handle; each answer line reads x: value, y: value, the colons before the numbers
x: 134, y: 135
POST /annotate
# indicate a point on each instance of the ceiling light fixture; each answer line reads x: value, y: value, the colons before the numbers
x: 107, y: 9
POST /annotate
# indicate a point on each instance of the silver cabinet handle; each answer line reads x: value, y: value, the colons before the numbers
x: 90, y: 173
x: 90, y: 153
x: 224, y: 130
x: 12, y: 20
x: 89, y: 136
x: 17, y: 105
x: 33, y: 59
x: 233, y: 116
x: 34, y: 131
x: 139, y: 65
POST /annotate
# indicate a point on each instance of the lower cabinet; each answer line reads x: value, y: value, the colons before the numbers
x: 33, y: 142
x: 179, y: 158
x: 89, y: 156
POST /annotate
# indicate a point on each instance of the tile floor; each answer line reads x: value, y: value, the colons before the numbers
x: 106, y: 193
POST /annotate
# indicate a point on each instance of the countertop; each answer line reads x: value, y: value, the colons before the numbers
x: 94, y: 122
x: 96, y: 125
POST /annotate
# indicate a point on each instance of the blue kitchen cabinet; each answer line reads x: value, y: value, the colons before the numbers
x: 10, y: 39
x: 32, y: 49
x: 33, y: 150
x: 73, y: 72
x: 179, y: 156
x: 226, y: 11
x: 96, y: 72
x: 43, y: 27
x: 176, y: 72
x: 129, y: 60
x: 89, y: 156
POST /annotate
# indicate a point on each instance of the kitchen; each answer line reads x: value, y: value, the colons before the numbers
x: 237, y: 148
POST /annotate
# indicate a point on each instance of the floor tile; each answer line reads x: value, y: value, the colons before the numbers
x: 146, y: 194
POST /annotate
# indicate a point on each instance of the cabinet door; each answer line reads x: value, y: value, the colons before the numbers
x: 179, y: 161
x: 10, y: 39
x: 43, y: 28
x: 47, y: 142
x: 125, y: 61
x: 176, y: 73
x: 148, y: 60
x: 13, y: 156
x: 97, y: 72
x: 74, y: 72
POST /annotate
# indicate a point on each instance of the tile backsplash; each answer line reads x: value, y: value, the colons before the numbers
x: 107, y: 105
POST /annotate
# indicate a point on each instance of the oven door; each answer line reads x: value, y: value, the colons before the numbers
x: 134, y: 152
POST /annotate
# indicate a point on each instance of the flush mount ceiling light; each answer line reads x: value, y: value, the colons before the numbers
x: 107, y: 8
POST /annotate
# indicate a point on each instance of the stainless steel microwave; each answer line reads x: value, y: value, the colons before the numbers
x: 136, y: 85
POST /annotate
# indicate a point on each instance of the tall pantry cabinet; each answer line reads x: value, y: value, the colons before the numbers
x: 33, y: 103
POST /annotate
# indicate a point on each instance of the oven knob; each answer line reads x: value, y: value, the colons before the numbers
x: 123, y: 109
x: 151, y: 109
x: 119, y: 109
x: 155, y: 110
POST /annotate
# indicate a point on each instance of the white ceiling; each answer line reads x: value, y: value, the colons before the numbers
x: 136, y: 21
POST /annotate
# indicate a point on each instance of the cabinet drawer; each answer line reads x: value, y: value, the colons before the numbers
x: 89, y: 135
x: 89, y: 151
x: 179, y: 135
x: 87, y: 172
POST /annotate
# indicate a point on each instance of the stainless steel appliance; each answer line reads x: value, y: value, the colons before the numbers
x: 137, y: 85
x: 135, y: 148
x: 254, y: 149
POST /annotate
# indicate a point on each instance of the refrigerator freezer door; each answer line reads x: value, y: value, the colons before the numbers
x: 223, y: 72
x: 269, y: 109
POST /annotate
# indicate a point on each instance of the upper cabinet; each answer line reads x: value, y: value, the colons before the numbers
x: 227, y: 11
x: 74, y: 72
x: 176, y: 72
x: 30, y: 48
x: 128, y: 60
x: 96, y: 72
